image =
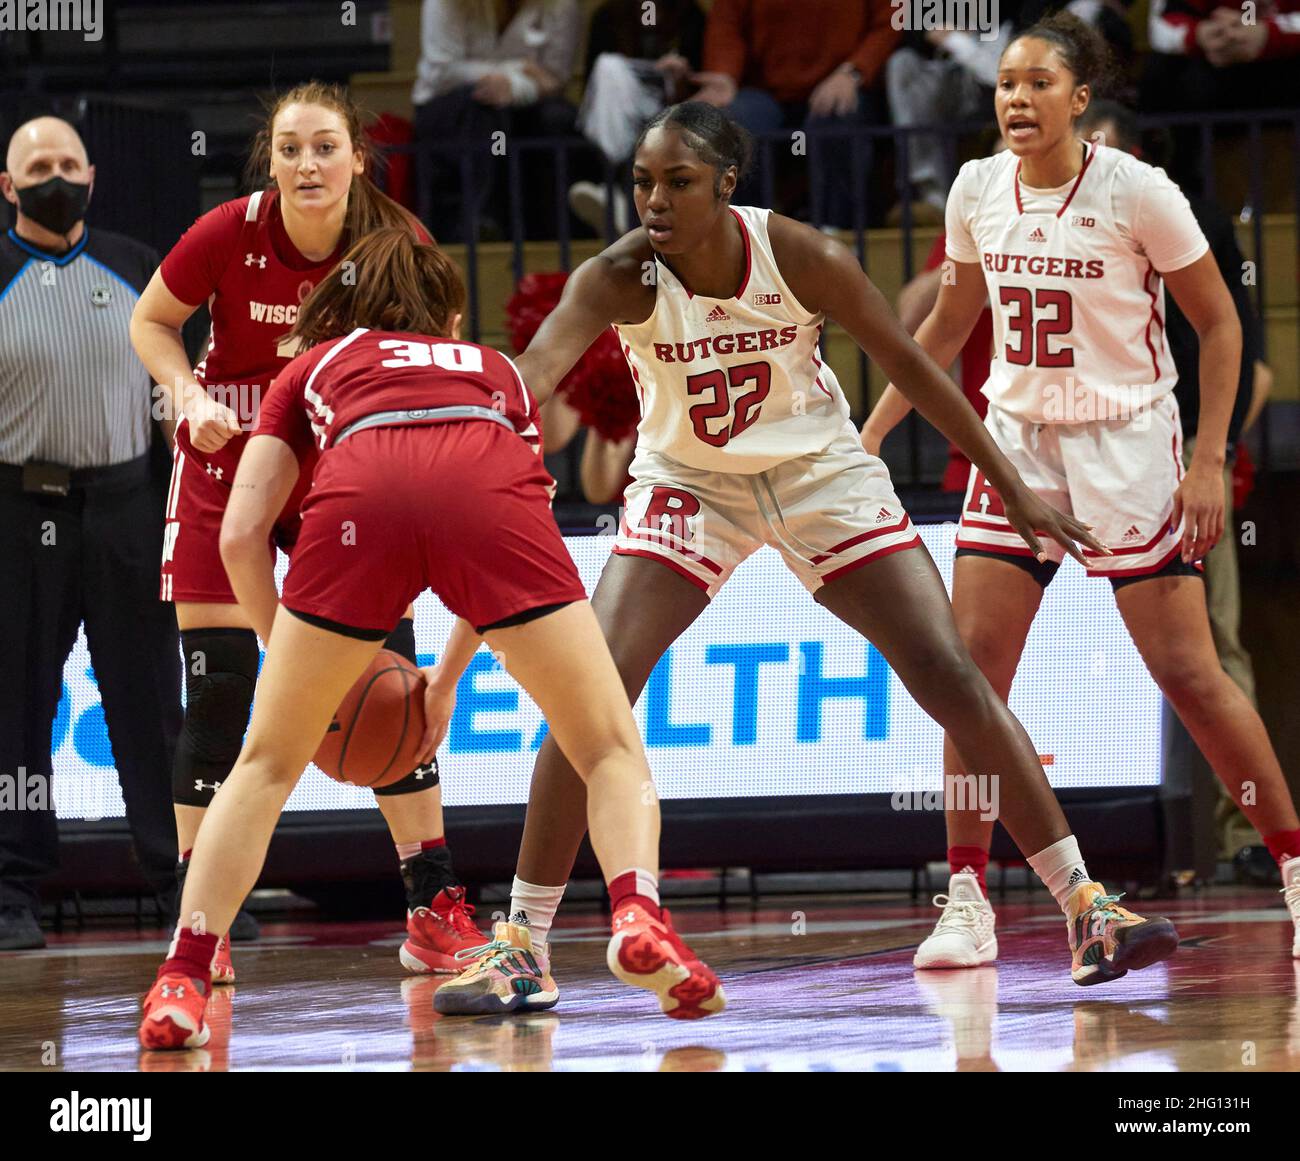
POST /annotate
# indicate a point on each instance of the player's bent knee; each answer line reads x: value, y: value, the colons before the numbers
x: 220, y: 675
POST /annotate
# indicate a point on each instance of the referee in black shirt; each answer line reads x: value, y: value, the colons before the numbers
x: 81, y: 502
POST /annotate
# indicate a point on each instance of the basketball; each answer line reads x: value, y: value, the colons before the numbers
x: 375, y: 735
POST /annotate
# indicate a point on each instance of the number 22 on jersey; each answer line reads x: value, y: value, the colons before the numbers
x: 717, y: 386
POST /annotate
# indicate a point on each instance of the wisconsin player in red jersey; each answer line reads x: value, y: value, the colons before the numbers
x: 1074, y: 242
x: 744, y: 440
x: 428, y: 447
x: 253, y: 261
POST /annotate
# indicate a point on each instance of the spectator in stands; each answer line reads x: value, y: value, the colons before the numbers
x: 634, y: 69
x: 1117, y: 126
x: 934, y: 78
x: 484, y: 68
x: 817, y: 65
x: 81, y: 501
x: 1207, y: 56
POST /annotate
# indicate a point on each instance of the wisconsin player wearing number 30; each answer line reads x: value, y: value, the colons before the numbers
x: 745, y: 440
x: 429, y: 449
x: 1074, y: 242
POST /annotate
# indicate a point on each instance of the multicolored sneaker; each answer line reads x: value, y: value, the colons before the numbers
x: 438, y: 933
x: 964, y: 935
x: 1107, y: 941
x: 223, y: 970
x: 507, y: 975
x: 1291, y: 893
x: 173, y: 1013
x: 646, y: 952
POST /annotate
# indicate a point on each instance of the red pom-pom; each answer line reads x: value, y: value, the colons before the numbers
x: 1243, y: 476
x: 599, y: 387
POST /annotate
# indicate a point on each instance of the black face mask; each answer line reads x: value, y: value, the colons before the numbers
x: 57, y: 204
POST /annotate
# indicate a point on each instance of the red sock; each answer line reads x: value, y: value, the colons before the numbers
x: 191, y: 955
x: 969, y: 859
x: 635, y: 886
x: 430, y: 844
x: 1283, y: 845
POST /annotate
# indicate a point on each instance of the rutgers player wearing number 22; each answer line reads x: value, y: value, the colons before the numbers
x: 253, y: 260
x: 745, y: 440
x: 1074, y: 242
x: 430, y: 448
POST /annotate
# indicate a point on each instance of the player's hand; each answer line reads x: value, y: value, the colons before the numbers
x: 1199, y: 504
x: 439, y: 705
x: 1030, y: 516
x: 212, y: 424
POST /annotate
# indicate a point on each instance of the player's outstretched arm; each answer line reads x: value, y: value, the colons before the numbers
x: 826, y: 277
x: 268, y: 470
x: 605, y: 289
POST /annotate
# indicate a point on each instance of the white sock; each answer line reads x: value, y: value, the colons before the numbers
x: 1061, y: 869
x: 534, y: 907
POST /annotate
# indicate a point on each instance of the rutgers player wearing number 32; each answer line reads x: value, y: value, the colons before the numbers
x: 745, y: 440
x: 1074, y: 241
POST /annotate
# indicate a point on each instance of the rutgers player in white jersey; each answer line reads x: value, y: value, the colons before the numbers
x: 745, y: 440
x: 1075, y: 242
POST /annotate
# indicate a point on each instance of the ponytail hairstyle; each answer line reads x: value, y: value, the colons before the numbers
x: 1083, y: 49
x: 716, y: 138
x: 387, y: 281
x: 369, y: 208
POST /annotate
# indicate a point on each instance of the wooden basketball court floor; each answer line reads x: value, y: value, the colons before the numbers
x: 818, y: 983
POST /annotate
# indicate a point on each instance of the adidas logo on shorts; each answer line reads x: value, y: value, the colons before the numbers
x: 717, y: 314
x: 1133, y: 533
x: 883, y: 515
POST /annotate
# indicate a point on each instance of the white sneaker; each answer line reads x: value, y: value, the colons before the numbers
x: 1291, y: 892
x: 964, y: 936
x: 588, y: 200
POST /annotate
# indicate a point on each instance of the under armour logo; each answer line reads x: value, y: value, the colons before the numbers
x: 199, y: 784
x: 214, y: 471
x: 168, y: 992
x: 626, y: 917
x: 259, y: 261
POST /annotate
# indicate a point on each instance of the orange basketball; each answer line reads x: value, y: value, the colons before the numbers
x: 375, y: 735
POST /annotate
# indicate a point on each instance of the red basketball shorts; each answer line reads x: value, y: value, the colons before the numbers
x: 196, y: 502
x: 459, y: 508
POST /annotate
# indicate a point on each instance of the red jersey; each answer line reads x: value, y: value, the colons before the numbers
x: 239, y: 260
x: 325, y: 390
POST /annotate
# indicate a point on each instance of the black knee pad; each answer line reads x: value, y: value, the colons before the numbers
x: 421, y: 778
x: 402, y: 642
x: 220, y: 674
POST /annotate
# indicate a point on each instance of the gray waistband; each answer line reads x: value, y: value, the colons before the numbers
x: 420, y: 415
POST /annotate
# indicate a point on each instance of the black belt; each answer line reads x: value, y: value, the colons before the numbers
x: 121, y: 475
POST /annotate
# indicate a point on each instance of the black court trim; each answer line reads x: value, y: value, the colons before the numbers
x: 522, y: 618
x: 339, y: 627
x: 1041, y: 570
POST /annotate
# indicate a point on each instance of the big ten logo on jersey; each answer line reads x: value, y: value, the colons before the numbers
x: 448, y: 356
x: 984, y: 498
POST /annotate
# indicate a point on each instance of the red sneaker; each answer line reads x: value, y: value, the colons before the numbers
x: 437, y: 932
x: 223, y: 970
x: 173, y: 1013
x: 646, y: 952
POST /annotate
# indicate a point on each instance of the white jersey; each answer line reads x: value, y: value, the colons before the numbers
x: 1074, y: 282
x: 733, y: 384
